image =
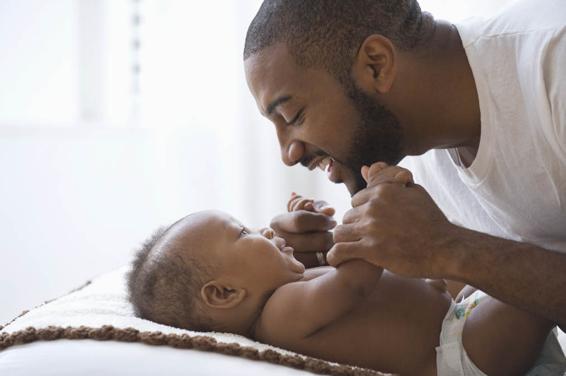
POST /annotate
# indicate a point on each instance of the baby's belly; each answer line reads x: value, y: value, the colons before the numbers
x: 395, y: 330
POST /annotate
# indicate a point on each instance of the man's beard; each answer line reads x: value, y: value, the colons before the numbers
x: 377, y: 138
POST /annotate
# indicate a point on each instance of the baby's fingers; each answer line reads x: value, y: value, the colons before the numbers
x: 379, y: 173
x: 298, y: 202
x: 403, y: 177
x: 324, y: 208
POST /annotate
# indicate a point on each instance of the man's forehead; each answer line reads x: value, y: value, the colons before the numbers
x: 273, y: 74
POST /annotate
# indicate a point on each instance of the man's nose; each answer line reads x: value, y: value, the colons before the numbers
x: 292, y: 152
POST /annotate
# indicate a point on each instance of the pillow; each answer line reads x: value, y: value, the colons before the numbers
x: 100, y: 311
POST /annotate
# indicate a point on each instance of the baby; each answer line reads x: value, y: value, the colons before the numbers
x: 209, y: 272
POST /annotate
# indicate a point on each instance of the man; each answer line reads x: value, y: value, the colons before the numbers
x: 479, y: 108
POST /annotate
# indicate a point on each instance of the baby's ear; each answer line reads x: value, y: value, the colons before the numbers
x: 219, y: 295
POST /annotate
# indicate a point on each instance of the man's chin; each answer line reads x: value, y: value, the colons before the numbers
x: 353, y: 181
x: 354, y: 186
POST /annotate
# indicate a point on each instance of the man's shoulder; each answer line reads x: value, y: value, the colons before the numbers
x: 517, y: 19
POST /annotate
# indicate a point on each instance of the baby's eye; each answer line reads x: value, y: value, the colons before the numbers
x: 244, y: 231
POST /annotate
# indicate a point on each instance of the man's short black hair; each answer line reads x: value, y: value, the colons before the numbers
x: 163, y: 288
x: 328, y: 33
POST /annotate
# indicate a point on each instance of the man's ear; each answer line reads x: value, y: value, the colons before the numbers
x: 216, y: 294
x: 374, y: 67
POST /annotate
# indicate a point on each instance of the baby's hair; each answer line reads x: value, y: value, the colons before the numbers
x: 163, y: 288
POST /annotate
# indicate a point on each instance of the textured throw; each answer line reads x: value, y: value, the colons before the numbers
x: 100, y: 310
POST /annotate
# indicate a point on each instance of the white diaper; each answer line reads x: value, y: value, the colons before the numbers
x: 452, y: 359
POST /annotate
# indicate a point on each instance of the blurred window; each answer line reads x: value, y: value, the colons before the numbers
x: 156, y: 63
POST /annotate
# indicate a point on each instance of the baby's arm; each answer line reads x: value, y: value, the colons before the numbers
x: 298, y: 310
x: 316, y: 272
x: 312, y: 304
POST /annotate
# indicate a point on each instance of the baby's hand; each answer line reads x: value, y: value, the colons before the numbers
x: 380, y: 172
x: 306, y: 227
x: 298, y: 202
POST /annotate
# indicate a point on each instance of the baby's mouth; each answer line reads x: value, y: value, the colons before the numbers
x: 287, y: 249
x: 281, y: 244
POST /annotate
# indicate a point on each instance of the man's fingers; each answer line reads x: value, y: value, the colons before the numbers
x: 310, y: 242
x: 342, y: 252
x: 351, y: 216
x: 302, y: 221
x: 361, y: 197
x: 346, y: 233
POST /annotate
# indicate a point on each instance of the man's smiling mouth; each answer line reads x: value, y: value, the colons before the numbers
x: 322, y: 162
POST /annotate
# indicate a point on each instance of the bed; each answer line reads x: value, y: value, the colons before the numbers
x: 93, y: 331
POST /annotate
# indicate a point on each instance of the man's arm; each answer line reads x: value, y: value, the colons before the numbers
x: 300, y: 309
x: 519, y: 274
x: 403, y: 230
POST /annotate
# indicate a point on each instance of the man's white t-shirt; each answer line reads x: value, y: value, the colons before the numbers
x: 516, y: 186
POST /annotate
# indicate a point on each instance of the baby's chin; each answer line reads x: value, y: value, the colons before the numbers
x: 295, y: 265
x: 299, y: 268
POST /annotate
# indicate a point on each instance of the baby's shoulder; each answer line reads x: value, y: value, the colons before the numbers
x: 277, y: 317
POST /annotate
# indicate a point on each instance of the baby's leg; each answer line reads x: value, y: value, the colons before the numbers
x: 503, y: 340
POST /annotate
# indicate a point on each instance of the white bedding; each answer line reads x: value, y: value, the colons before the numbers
x: 104, y: 302
x: 96, y: 358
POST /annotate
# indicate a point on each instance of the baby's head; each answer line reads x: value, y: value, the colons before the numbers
x: 207, y: 272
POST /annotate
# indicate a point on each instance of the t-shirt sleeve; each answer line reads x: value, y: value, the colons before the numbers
x: 555, y: 80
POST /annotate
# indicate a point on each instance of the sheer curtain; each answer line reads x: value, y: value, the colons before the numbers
x: 118, y: 116
x: 192, y: 87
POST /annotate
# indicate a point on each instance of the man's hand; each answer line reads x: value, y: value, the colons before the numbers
x: 392, y: 224
x: 306, y: 228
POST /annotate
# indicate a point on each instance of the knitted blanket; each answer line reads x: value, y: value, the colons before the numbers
x: 100, y: 310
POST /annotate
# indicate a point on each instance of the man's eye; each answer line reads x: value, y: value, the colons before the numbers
x: 244, y: 232
x: 298, y: 119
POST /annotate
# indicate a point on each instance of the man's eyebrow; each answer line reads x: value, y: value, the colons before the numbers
x: 279, y: 101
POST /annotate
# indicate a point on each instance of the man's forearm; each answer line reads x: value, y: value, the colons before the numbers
x: 520, y: 274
